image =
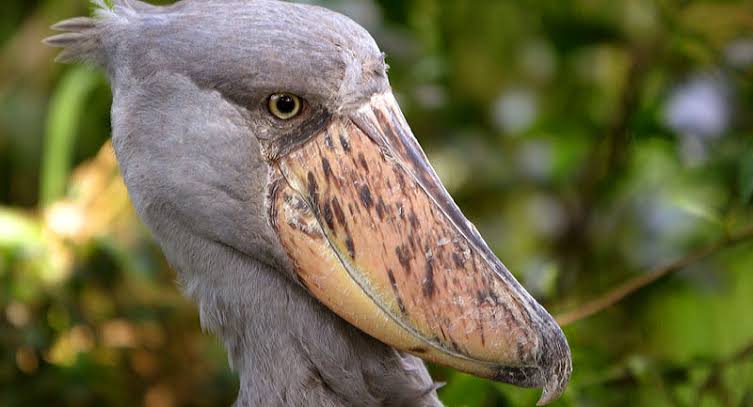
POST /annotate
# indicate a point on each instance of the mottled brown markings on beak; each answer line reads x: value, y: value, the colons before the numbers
x: 339, y: 214
x: 364, y: 193
x: 410, y: 241
x: 313, y: 189
x: 350, y: 245
x: 428, y: 283
x: 328, y: 216
x: 327, y: 169
x: 362, y: 161
x: 344, y: 143
x: 459, y: 262
x: 414, y: 222
x: 407, y: 149
x: 393, y: 282
x: 459, y: 297
x: 403, y: 258
x: 328, y: 142
x: 381, y: 208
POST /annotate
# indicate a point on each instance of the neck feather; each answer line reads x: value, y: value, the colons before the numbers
x: 290, y: 350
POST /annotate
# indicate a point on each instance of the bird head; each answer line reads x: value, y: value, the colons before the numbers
x: 271, y: 128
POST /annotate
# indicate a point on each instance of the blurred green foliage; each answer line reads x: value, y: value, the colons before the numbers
x: 589, y: 140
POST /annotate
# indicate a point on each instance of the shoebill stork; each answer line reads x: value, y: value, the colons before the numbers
x: 262, y: 145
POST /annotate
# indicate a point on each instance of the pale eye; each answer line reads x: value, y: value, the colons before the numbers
x: 284, y: 106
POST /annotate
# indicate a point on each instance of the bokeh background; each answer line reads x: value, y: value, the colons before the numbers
x: 593, y: 143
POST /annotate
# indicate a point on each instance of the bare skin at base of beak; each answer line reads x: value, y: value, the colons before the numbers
x: 374, y: 236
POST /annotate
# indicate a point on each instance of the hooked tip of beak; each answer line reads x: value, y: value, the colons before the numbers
x: 551, y: 370
x: 554, y: 386
x: 556, y: 367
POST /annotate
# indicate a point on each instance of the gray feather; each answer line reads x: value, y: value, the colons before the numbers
x: 77, y: 24
x: 82, y: 41
x: 188, y: 83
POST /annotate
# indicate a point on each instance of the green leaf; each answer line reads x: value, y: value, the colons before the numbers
x: 65, y: 112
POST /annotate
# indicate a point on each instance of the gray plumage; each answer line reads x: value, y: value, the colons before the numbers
x: 189, y: 81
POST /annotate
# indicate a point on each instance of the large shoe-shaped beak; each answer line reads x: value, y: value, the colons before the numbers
x: 375, y: 236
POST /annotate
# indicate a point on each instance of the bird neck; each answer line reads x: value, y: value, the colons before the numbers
x: 290, y: 350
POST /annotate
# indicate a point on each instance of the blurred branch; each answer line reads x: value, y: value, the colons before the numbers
x: 607, y: 158
x: 631, y: 286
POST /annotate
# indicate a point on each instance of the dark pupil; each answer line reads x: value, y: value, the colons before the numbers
x: 285, y: 104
